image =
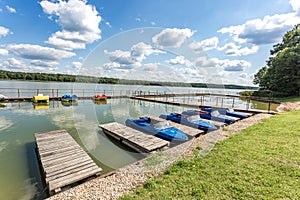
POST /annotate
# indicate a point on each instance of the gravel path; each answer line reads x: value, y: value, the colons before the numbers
x: 130, y: 177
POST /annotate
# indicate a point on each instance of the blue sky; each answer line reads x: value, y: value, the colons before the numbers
x: 210, y: 41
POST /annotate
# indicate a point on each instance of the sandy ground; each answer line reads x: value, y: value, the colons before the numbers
x: 128, y: 178
x: 288, y: 106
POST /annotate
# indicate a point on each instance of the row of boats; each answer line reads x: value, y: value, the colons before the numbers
x: 40, y: 98
x: 193, y: 118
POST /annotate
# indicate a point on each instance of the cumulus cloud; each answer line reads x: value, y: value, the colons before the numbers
x: 172, y: 38
x: 231, y: 65
x: 268, y: 30
x: 180, y: 60
x: 108, y: 24
x: 150, y: 66
x: 132, y: 58
x: 78, y: 20
x: 10, y: 9
x: 36, y: 52
x: 3, y: 31
x: 76, y: 65
x: 232, y: 49
x: 296, y: 6
x: 3, y: 52
x: 40, y: 63
x: 203, y: 62
x: 13, y: 64
x: 205, y: 45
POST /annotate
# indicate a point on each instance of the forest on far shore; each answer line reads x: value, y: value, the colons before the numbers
x: 24, y: 76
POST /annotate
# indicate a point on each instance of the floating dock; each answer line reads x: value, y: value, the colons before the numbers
x: 194, y: 132
x: 135, y: 139
x: 63, y: 161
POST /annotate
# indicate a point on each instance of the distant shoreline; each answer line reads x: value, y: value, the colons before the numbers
x: 44, y: 77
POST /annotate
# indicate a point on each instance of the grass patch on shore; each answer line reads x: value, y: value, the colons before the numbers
x: 289, y: 99
x: 261, y: 162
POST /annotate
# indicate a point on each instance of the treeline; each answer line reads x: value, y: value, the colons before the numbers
x: 8, y: 75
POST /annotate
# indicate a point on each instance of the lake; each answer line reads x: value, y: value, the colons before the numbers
x: 19, y: 168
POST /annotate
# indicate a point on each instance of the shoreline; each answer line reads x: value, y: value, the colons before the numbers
x: 128, y: 178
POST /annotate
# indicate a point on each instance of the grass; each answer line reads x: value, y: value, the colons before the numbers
x: 261, y: 162
x: 289, y: 99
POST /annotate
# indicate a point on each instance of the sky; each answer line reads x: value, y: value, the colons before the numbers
x: 208, y: 41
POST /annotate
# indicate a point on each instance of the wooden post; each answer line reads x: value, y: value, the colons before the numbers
x: 53, y: 92
x: 18, y: 93
x: 56, y: 92
x: 37, y: 92
x: 232, y: 102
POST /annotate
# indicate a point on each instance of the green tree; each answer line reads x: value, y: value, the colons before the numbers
x: 282, y: 73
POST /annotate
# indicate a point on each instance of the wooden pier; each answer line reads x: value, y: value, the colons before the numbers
x: 63, y: 161
x: 194, y: 132
x: 135, y: 139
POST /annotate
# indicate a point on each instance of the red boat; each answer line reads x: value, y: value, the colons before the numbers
x: 100, y: 97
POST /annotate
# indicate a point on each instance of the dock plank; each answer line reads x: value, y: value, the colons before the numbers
x: 63, y: 161
x: 133, y: 138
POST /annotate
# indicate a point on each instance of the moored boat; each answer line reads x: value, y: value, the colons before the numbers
x: 99, y: 97
x: 226, y: 111
x: 192, y: 121
x: 162, y: 130
x: 69, y: 98
x: 213, y: 115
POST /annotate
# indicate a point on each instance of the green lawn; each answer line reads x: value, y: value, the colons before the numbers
x: 289, y: 99
x: 261, y: 162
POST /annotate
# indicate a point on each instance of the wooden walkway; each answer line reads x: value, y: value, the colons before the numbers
x: 63, y: 161
x: 135, y: 139
x: 194, y: 132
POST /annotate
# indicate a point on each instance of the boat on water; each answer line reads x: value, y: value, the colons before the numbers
x: 213, y: 115
x: 192, y: 121
x: 226, y: 111
x: 69, y: 98
x: 162, y: 130
x: 99, y: 97
x: 40, y: 98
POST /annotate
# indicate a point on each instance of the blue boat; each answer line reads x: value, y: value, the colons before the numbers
x: 213, y: 115
x: 225, y: 111
x: 162, y: 130
x: 192, y: 121
x: 69, y: 98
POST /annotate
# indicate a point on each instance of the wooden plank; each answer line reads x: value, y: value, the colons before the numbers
x: 72, y: 178
x: 63, y: 161
x: 133, y: 138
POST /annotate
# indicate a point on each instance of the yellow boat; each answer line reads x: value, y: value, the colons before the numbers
x: 40, y: 98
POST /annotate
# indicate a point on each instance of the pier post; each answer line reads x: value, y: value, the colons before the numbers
x: 18, y: 93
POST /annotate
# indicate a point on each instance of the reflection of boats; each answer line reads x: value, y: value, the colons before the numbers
x: 69, y: 98
x: 99, y: 97
x: 69, y: 103
x: 38, y: 106
x: 192, y: 121
x: 99, y: 101
x: 225, y: 111
x: 163, y: 130
x: 213, y: 115
x: 40, y: 98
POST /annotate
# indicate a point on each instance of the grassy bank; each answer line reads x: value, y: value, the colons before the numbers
x: 289, y: 99
x: 262, y: 162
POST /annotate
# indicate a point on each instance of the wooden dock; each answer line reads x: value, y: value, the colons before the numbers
x: 63, y: 161
x: 135, y: 139
x: 194, y: 132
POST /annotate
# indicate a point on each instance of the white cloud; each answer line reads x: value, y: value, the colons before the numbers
x: 138, y: 19
x: 295, y: 5
x: 40, y: 63
x: 3, y: 52
x: 232, y: 49
x: 152, y: 23
x: 268, y: 30
x: 36, y: 52
x: 76, y: 65
x: 231, y: 65
x: 180, y: 60
x: 172, y: 38
x: 79, y: 23
x: 108, y: 24
x: 11, y: 9
x: 203, y: 62
x: 150, y: 67
x: 13, y: 64
x: 205, y: 45
x: 3, y: 31
x: 132, y: 58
